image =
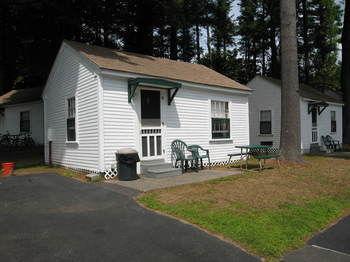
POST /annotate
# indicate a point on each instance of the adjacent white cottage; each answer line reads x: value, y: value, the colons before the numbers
x: 21, y: 111
x: 320, y: 114
x: 98, y: 100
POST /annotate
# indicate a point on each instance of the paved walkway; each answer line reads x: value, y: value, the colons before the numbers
x: 54, y: 218
x: 146, y: 184
x: 331, y: 245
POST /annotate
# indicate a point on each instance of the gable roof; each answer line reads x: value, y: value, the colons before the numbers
x: 307, y: 91
x: 111, y: 59
x: 17, y: 96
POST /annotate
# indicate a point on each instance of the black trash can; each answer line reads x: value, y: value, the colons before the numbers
x: 127, y: 159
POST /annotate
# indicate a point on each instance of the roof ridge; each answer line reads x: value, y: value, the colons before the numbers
x: 305, y: 88
x: 162, y: 67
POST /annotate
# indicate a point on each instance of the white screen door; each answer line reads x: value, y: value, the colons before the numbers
x: 314, y: 128
x: 151, y: 125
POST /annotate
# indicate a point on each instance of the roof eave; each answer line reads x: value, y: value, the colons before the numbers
x: 127, y: 74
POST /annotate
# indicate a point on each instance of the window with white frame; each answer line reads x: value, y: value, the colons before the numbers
x: 71, y: 131
x: 265, y: 122
x: 333, y: 122
x: 24, y: 122
x: 220, y: 120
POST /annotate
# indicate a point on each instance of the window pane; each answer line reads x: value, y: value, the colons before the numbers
x: 265, y: 122
x: 219, y: 109
x: 151, y: 145
x: 220, y: 128
x: 159, y: 145
x: 265, y: 115
x: 333, y: 122
x: 266, y: 143
x: 314, y: 117
x: 265, y: 127
x: 71, y: 129
x: 71, y: 132
x: 144, y: 146
x: 71, y: 107
x: 333, y: 118
x: 24, y: 125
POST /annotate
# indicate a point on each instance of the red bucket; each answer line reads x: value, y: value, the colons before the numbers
x: 7, y: 168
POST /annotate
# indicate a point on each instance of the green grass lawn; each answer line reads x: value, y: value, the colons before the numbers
x: 268, y: 213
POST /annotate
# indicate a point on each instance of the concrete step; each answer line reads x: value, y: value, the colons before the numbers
x: 153, y: 162
x: 159, y: 163
x: 162, y: 172
x: 315, y: 148
x: 144, y: 168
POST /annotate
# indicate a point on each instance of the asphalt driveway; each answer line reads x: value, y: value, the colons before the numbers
x: 53, y: 218
x: 333, y: 244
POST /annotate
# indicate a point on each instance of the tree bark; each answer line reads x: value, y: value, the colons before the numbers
x: 198, y: 46
x: 173, y: 43
x: 209, y: 43
x: 275, y: 70
x: 290, y: 99
x: 345, y: 80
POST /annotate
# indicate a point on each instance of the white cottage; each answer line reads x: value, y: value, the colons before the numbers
x: 21, y: 111
x: 320, y: 114
x: 98, y: 100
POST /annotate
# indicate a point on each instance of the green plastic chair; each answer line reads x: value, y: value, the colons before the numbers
x: 199, y: 153
x: 178, y: 149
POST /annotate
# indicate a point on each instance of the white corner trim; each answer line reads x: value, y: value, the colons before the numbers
x: 101, y: 163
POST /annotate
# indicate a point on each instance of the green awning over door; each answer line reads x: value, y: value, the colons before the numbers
x: 171, y: 86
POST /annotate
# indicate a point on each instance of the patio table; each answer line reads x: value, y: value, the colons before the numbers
x: 246, y: 151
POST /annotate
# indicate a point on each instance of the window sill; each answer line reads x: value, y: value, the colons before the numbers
x: 72, y: 142
x: 266, y: 135
x: 221, y: 140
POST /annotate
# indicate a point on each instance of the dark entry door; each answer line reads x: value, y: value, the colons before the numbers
x: 150, y: 108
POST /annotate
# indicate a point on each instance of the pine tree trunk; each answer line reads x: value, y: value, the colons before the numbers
x: 173, y: 43
x: 290, y: 100
x: 346, y: 73
x: 275, y: 71
x: 208, y: 42
x: 198, y: 46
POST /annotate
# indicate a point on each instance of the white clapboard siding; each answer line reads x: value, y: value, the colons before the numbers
x: 189, y: 119
x: 119, y: 119
x: 265, y: 96
x: 69, y: 78
x: 11, y: 120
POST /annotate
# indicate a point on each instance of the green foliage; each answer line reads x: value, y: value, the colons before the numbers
x: 225, y: 63
x: 32, y: 32
x: 325, y: 37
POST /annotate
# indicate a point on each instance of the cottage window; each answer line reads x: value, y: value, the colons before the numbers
x: 333, y: 122
x: 265, y: 122
x: 220, y: 120
x: 24, y: 124
x: 71, y: 130
x: 266, y: 143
